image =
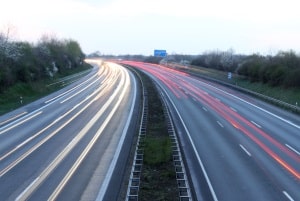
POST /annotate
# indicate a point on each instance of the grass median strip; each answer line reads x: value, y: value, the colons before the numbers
x: 158, y: 177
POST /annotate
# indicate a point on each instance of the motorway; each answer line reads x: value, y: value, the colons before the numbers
x: 235, y: 146
x: 66, y: 146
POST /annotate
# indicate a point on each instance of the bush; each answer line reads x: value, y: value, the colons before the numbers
x: 25, y: 62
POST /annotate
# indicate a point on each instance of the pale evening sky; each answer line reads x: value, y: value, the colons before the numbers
x: 140, y: 26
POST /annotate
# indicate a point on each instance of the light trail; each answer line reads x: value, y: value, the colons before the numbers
x: 170, y: 76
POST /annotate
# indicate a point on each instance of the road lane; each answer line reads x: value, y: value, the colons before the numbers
x: 26, y: 133
x: 238, y: 144
x: 48, y: 148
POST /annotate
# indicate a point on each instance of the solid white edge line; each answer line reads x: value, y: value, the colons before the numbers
x: 12, y: 118
x: 287, y: 195
x: 28, y: 187
x: 20, y: 122
x: 112, y: 166
x: 49, y: 125
x: 245, y: 150
x: 84, y: 153
x: 266, y: 111
x: 194, y: 148
x: 68, y: 91
x: 12, y: 124
x: 78, y: 92
x: 24, y: 195
x: 293, y: 149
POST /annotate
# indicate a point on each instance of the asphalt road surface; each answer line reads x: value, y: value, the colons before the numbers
x: 66, y: 146
x: 236, y: 147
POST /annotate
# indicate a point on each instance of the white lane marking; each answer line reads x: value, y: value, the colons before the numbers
x: 293, y: 149
x: 28, y: 187
x: 5, y: 170
x: 204, y: 109
x: 287, y: 195
x: 41, y: 131
x: 49, y: 169
x: 31, y: 150
x: 212, y: 191
x: 13, y: 118
x: 256, y: 124
x: 233, y: 109
x: 245, y: 150
x: 31, y: 138
x: 24, y: 142
x: 78, y: 92
x: 20, y: 122
x: 266, y: 111
x: 221, y: 125
x: 31, y: 113
x: 62, y: 94
x: 194, y: 99
x: 118, y: 151
x: 70, y: 77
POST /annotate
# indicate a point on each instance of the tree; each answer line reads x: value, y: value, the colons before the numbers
x: 9, y: 55
x: 25, y: 62
x: 74, y: 52
x: 292, y: 78
x: 251, y: 66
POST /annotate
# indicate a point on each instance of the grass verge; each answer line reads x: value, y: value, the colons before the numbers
x: 24, y: 93
x: 288, y: 95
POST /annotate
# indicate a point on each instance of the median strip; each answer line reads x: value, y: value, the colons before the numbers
x: 158, y: 172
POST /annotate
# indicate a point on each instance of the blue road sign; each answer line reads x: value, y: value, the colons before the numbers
x: 160, y: 53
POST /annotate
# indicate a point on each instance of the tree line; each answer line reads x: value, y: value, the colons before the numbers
x: 26, y: 62
x: 282, y: 69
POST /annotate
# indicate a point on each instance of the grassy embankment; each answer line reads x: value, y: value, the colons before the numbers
x: 10, y: 98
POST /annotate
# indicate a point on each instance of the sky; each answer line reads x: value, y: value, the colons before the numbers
x: 140, y: 26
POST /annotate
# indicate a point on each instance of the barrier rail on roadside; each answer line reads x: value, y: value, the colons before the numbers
x: 282, y: 104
